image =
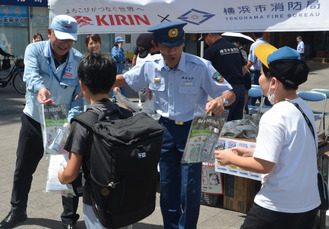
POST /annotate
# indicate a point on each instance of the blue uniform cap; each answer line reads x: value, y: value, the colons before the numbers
x: 118, y: 39
x: 170, y: 34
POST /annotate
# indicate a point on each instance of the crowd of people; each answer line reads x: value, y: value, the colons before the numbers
x: 56, y: 73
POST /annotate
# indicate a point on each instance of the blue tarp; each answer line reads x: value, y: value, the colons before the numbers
x: 41, y: 3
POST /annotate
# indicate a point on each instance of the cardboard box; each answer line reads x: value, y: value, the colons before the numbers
x: 226, y: 143
x: 239, y: 193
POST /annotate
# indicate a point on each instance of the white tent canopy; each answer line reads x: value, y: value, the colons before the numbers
x: 135, y: 16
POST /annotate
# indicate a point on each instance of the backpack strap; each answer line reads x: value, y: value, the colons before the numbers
x: 89, y: 117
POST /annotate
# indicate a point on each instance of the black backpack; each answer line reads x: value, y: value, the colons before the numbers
x: 123, y: 166
x: 6, y: 63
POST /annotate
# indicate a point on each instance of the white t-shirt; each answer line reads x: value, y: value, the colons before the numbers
x: 285, y: 139
x: 149, y: 57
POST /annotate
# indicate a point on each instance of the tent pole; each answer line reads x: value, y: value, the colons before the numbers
x: 201, y: 49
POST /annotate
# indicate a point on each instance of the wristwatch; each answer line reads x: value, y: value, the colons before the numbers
x: 224, y: 100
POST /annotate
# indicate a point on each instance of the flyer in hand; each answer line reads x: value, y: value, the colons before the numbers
x: 54, y: 127
x: 203, y: 137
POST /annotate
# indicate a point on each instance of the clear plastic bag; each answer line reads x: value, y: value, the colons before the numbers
x: 244, y: 128
x: 148, y: 108
x: 54, y: 127
x: 124, y: 101
x: 56, y: 164
x: 204, y: 129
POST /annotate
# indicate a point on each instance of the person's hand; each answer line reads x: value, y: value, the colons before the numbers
x: 60, y: 173
x: 224, y: 156
x: 78, y: 95
x: 243, y: 151
x: 216, y: 106
x: 120, y: 44
x: 44, y: 96
x: 117, y: 89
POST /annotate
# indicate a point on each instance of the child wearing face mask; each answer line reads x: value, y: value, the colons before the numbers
x: 285, y: 150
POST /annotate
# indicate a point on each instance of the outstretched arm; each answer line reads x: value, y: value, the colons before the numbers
x: 243, y: 158
x: 120, y: 81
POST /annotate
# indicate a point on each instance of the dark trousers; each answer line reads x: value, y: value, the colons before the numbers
x: 260, y: 218
x: 236, y: 108
x: 28, y: 155
x: 180, y: 182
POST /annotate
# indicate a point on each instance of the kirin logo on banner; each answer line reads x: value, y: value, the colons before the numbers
x: 82, y: 21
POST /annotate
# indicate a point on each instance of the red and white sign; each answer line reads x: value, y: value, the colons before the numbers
x: 132, y: 16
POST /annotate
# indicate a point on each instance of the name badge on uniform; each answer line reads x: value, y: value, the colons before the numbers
x: 188, y: 83
x: 157, y: 80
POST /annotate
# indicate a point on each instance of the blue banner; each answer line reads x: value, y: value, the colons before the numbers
x: 40, y: 3
x: 13, y: 16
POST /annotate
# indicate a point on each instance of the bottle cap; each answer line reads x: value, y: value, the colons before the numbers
x: 216, y: 130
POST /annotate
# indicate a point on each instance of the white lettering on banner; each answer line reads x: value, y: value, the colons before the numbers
x: 121, y: 20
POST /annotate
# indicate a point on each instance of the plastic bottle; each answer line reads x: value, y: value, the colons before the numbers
x: 209, y: 145
x: 59, y: 140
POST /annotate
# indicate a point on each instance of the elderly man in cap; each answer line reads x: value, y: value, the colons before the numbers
x: 51, y: 78
x: 178, y: 81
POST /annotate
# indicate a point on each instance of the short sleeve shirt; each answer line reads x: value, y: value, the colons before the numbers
x: 80, y: 142
x: 257, y: 64
x: 285, y: 139
x: 177, y: 91
x: 300, y: 46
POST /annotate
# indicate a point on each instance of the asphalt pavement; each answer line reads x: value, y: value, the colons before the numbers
x: 44, y: 208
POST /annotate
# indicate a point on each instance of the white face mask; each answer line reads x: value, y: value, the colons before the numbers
x: 271, y: 97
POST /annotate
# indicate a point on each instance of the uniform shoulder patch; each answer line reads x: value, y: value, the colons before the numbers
x: 218, y: 77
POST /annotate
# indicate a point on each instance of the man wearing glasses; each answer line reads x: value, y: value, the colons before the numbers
x: 50, y: 76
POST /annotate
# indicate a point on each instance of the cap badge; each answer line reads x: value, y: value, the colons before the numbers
x: 173, y: 33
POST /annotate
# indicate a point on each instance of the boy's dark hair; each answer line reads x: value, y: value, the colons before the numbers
x: 291, y: 73
x: 97, y: 72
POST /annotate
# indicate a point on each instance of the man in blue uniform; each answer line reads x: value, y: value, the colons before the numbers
x: 118, y: 54
x: 254, y: 65
x: 229, y: 62
x: 300, y: 46
x: 179, y: 81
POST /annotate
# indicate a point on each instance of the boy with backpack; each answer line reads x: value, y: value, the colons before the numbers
x: 108, y: 206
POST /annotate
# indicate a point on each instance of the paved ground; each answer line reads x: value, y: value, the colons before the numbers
x: 44, y: 209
